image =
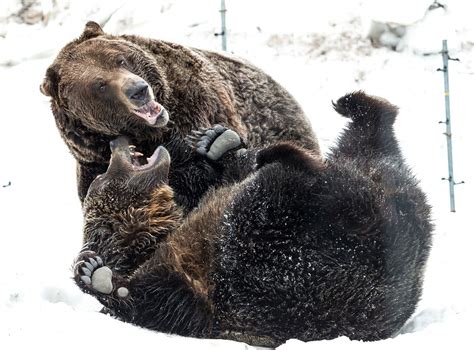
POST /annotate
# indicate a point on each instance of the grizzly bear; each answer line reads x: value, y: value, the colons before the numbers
x: 297, y: 248
x: 155, y: 92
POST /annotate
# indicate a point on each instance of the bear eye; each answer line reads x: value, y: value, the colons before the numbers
x: 101, y: 85
x: 121, y: 61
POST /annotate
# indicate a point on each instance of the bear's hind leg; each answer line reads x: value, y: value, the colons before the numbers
x: 97, y: 279
x: 370, y: 134
x: 155, y: 297
x: 291, y: 156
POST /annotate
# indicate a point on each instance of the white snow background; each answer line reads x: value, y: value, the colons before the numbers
x: 318, y: 51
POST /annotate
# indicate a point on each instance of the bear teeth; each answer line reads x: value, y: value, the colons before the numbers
x: 151, y: 161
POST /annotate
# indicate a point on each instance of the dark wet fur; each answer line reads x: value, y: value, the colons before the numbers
x: 300, y: 248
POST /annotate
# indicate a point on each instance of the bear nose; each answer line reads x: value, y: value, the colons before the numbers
x: 138, y: 93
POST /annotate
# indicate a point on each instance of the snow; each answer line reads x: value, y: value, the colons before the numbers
x: 318, y: 53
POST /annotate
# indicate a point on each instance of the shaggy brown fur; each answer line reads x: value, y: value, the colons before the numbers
x: 134, y: 229
x: 189, y: 249
x: 90, y: 82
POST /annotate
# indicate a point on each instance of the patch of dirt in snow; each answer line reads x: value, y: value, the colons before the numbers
x: 343, y: 42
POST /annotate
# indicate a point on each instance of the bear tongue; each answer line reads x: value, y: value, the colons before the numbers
x: 149, y: 111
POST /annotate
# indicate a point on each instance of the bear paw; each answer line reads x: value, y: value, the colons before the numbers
x: 90, y: 273
x: 93, y: 277
x: 214, y: 142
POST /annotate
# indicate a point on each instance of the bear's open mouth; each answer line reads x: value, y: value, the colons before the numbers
x: 153, y: 113
x: 123, y: 152
x: 145, y: 163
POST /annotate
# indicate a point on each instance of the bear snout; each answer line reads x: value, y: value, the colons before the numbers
x: 138, y: 92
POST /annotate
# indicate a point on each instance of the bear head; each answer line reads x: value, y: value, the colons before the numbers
x: 108, y: 84
x: 129, y: 209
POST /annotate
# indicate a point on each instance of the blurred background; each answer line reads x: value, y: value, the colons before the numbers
x: 318, y: 50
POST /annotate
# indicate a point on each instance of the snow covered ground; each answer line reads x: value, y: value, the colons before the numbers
x: 319, y: 53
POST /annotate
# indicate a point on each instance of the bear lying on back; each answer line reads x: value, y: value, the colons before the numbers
x: 298, y: 248
x: 102, y: 86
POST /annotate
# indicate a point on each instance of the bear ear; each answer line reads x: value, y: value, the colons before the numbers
x: 91, y: 30
x: 49, y: 87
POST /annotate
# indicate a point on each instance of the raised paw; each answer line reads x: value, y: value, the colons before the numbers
x: 91, y: 274
x: 214, y: 142
x: 93, y: 277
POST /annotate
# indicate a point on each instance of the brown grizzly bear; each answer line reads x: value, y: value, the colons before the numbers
x: 299, y: 248
x: 102, y: 86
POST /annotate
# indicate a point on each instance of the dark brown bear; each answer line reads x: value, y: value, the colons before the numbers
x: 155, y: 92
x: 297, y: 249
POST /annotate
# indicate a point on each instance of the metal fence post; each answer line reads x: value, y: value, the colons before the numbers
x: 449, y: 139
x: 223, y: 32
